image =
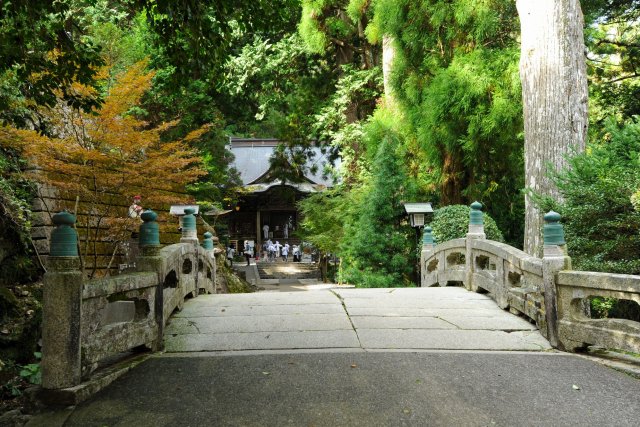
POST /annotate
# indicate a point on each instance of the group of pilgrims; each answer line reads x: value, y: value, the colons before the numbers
x: 272, y: 251
x: 277, y: 250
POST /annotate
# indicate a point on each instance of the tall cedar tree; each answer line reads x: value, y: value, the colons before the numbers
x: 554, y: 94
x: 104, y: 158
x: 455, y: 77
x: 376, y: 253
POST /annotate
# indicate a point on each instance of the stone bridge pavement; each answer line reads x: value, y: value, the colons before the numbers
x: 349, y: 320
x: 358, y: 357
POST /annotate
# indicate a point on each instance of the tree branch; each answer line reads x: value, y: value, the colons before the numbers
x: 617, y: 43
x: 619, y: 79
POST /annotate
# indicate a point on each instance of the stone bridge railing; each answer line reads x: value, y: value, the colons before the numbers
x: 86, y: 322
x: 546, y: 290
x: 576, y: 329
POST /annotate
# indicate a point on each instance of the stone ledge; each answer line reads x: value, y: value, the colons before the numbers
x: 620, y: 362
x: 501, y: 250
x: 600, y: 281
x: 451, y: 244
x: 606, y: 333
x: 98, y: 381
x: 117, y: 284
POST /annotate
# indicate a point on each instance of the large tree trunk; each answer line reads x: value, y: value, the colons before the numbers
x: 388, y: 53
x: 554, y: 94
x: 453, y: 177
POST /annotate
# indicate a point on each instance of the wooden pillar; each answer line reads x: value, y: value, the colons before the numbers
x: 258, y: 247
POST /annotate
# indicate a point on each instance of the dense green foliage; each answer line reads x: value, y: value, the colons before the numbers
x: 196, y: 36
x: 452, y: 222
x: 323, y: 219
x: 15, y: 194
x: 377, y: 248
x: 601, y: 225
x: 613, y: 39
x: 43, y: 51
x: 308, y: 72
x: 338, y: 27
x: 280, y: 87
x: 456, y: 79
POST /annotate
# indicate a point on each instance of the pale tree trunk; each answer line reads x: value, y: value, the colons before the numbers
x: 388, y: 53
x: 554, y: 94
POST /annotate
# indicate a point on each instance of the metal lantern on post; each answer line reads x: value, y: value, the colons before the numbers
x: 419, y: 213
x: 419, y: 216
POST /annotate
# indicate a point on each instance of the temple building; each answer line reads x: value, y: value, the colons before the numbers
x: 268, y: 208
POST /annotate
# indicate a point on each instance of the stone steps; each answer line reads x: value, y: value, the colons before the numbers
x: 288, y: 270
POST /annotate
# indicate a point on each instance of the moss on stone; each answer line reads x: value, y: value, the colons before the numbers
x: 229, y: 281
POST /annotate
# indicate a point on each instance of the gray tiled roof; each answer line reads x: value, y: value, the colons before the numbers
x: 252, y: 160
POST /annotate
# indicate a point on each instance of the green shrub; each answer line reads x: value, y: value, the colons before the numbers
x: 602, y: 308
x: 452, y: 222
x: 380, y: 250
x: 16, y: 194
x: 602, y: 228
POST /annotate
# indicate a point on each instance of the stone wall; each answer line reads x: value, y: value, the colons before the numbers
x: 50, y: 201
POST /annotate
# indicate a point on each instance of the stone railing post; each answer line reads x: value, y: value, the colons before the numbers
x: 428, y: 244
x: 207, y: 243
x: 149, y: 243
x: 189, y: 229
x: 476, y: 222
x: 149, y: 236
x: 62, y: 307
x: 476, y: 231
x: 555, y: 259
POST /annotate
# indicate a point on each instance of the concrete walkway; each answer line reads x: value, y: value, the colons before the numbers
x: 357, y: 357
x: 366, y: 389
x: 349, y: 320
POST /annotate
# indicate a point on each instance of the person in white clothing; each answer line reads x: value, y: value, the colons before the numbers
x: 134, y: 212
x: 271, y: 251
x: 265, y: 231
x: 135, y: 209
x: 248, y: 252
x: 285, y: 252
x: 230, y: 253
x: 278, y: 247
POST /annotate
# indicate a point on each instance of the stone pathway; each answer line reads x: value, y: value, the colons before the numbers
x: 349, y: 320
x: 357, y: 357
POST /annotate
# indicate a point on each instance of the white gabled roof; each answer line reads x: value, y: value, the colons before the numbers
x: 303, y: 187
x: 252, y: 161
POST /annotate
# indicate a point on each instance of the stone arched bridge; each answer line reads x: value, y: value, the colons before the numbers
x: 546, y: 291
x: 88, y: 323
